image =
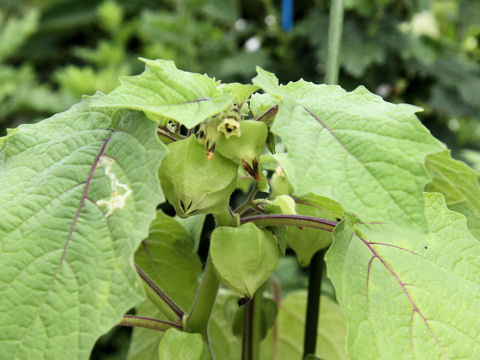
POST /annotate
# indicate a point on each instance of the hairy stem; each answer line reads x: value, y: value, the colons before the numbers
x: 146, y: 322
x: 199, y: 316
x: 290, y: 220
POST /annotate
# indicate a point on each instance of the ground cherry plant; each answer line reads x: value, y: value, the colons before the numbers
x: 83, y: 242
x: 85, y: 245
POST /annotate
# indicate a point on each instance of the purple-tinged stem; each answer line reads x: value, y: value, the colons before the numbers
x: 290, y: 220
x: 146, y: 322
x: 171, y: 304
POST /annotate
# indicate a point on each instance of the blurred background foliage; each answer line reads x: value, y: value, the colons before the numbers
x: 423, y: 52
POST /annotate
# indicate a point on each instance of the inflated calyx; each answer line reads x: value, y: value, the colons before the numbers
x: 244, y: 257
x: 246, y: 148
x: 192, y: 183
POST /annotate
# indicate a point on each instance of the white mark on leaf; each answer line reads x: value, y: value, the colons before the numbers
x: 120, y: 192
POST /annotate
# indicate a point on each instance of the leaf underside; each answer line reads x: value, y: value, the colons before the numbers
x: 408, y: 294
x: 459, y: 184
x: 290, y: 328
x: 77, y: 194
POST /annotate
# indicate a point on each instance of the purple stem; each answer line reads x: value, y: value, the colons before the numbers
x: 171, y: 304
x: 291, y: 220
x: 147, y: 322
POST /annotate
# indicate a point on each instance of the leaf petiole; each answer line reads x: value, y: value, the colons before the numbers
x: 291, y: 220
x: 165, y: 300
x: 146, y: 322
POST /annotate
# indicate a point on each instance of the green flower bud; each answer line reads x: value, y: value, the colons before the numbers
x: 279, y: 184
x: 246, y: 148
x: 286, y: 204
x: 193, y: 184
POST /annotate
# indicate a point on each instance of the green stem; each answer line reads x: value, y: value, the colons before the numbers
x: 313, y: 303
x: 257, y: 304
x: 249, y: 199
x: 197, y: 319
x: 334, y: 40
x: 149, y: 323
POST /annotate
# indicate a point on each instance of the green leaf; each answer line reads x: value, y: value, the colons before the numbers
x: 459, y: 184
x: 244, y: 257
x: 224, y: 344
x: 77, y: 194
x: 167, y: 256
x: 163, y: 91
x: 176, y: 344
x: 288, y: 344
x: 241, y: 92
x: 354, y: 148
x: 144, y: 342
x: 423, y: 288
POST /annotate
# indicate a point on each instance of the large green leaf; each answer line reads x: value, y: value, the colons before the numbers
x: 285, y: 340
x: 407, y: 294
x: 167, y: 257
x: 354, y: 148
x: 163, y: 91
x: 459, y: 184
x: 77, y: 194
x: 224, y: 344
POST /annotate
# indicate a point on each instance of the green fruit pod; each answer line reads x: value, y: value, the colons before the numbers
x: 246, y: 148
x: 244, y: 257
x: 193, y: 184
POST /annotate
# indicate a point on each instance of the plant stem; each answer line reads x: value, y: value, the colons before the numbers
x: 334, y: 40
x: 160, y: 299
x: 146, y: 322
x: 316, y: 264
x: 257, y: 304
x: 197, y: 319
x: 251, y: 330
x: 249, y: 200
x: 313, y: 303
x: 290, y: 220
